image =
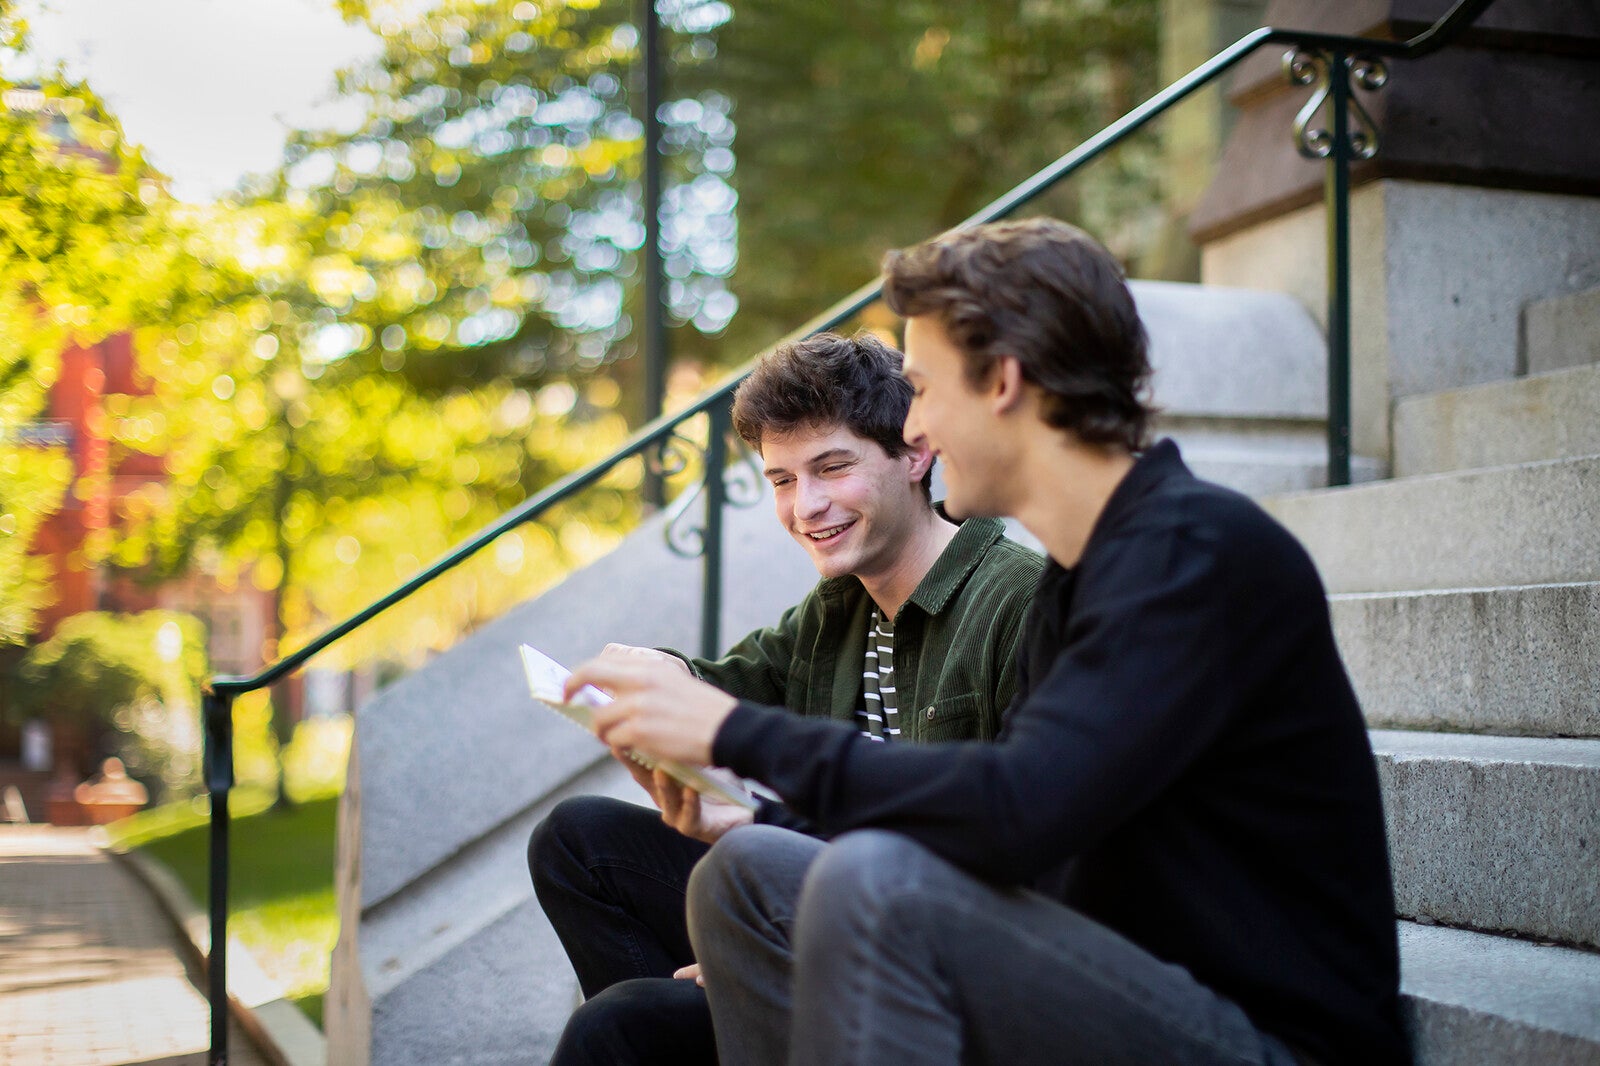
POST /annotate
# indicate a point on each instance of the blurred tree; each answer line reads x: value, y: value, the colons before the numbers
x: 867, y: 126
x: 484, y: 216
x: 413, y: 324
x: 80, y: 225
x: 136, y: 677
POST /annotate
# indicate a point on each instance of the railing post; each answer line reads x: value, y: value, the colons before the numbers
x: 1336, y: 201
x: 654, y: 325
x: 716, y: 495
x: 218, y: 711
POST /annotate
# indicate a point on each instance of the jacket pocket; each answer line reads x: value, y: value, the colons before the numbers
x: 950, y: 718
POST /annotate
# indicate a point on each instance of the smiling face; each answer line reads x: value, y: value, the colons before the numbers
x: 957, y: 421
x: 851, y: 505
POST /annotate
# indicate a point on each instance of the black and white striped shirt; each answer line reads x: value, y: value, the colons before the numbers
x: 879, y: 719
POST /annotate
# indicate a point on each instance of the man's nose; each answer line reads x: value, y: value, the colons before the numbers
x: 810, y: 498
x: 912, y: 431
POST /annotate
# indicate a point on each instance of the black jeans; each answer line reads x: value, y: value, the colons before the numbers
x: 611, y: 878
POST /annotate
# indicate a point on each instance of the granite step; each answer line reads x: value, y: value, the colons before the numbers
x: 1524, y: 524
x: 1499, y: 834
x: 1552, y: 415
x: 1517, y: 661
x: 1470, y: 997
x: 1562, y: 331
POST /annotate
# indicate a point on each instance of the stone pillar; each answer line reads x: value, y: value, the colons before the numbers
x: 1192, y: 31
x: 1484, y: 195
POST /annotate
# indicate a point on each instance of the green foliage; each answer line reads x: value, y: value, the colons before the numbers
x: 482, y: 222
x: 868, y: 126
x: 32, y: 482
x: 379, y: 362
x: 97, y: 662
x: 137, y: 674
x: 316, y: 760
x: 78, y: 237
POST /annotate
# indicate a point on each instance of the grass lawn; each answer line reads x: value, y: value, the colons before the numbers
x: 280, y: 888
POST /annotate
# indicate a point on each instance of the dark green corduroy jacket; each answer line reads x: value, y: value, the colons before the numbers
x: 955, y: 643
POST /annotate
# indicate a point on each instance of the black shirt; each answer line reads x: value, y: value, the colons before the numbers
x: 1185, y: 762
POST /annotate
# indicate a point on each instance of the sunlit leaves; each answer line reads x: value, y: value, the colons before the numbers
x: 79, y: 259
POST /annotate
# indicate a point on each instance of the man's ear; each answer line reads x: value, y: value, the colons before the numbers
x: 1006, y: 386
x: 921, y: 458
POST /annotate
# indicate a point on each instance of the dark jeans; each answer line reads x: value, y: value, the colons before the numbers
x: 872, y: 951
x: 611, y: 878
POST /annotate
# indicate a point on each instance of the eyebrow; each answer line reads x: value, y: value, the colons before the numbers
x: 820, y: 457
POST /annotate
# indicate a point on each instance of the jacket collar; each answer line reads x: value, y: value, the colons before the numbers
x: 949, y: 571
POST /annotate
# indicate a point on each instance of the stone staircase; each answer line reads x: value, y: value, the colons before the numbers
x: 1465, y: 593
x: 1466, y: 597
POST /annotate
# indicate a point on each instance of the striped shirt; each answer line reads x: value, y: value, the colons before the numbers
x: 879, y: 718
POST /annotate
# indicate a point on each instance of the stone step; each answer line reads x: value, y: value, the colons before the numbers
x: 1515, y: 661
x: 1527, y: 524
x: 1562, y: 331
x: 1471, y: 997
x: 1263, y: 473
x: 1499, y: 834
x: 1553, y: 415
x: 1240, y: 380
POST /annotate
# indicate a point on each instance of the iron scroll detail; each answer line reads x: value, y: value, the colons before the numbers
x: 684, y: 532
x: 1314, y: 67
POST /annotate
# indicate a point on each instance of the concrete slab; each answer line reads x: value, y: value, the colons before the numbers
x: 1240, y: 380
x: 1470, y: 997
x: 1494, y: 833
x: 1529, y: 524
x: 1548, y: 416
x: 1522, y: 661
x: 462, y: 966
x: 1561, y: 332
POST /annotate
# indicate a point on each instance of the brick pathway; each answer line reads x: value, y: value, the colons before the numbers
x: 91, y: 971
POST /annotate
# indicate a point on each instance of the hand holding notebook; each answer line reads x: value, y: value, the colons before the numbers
x: 546, y: 681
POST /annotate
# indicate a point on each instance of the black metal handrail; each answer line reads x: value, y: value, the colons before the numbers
x: 1328, y: 60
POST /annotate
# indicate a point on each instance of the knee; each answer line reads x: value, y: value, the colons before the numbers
x: 652, y: 1019
x: 556, y: 842
x: 602, y: 1024
x: 724, y: 883
x: 723, y: 868
x: 867, y: 862
x: 857, y: 874
x: 611, y: 1011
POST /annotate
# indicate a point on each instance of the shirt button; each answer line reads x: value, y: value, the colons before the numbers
x: 930, y: 713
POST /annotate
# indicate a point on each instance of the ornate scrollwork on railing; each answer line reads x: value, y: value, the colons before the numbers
x: 744, y: 481
x: 742, y: 487
x: 1310, y: 67
x: 685, y: 538
x: 671, y: 455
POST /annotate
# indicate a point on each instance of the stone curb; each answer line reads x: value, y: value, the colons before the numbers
x: 280, y: 1031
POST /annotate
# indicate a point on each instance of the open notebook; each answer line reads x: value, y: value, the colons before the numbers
x: 545, y: 680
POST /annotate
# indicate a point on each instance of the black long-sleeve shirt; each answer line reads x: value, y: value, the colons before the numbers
x: 1185, y: 762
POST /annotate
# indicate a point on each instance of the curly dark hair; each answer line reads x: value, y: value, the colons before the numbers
x: 827, y: 380
x: 1050, y: 296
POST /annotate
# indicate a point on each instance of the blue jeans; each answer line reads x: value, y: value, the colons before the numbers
x: 873, y: 951
x: 611, y: 878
